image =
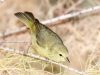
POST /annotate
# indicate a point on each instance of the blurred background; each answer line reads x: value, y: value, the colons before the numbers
x: 80, y: 34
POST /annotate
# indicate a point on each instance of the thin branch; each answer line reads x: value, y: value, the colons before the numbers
x: 41, y: 58
x: 13, y: 31
x: 63, y: 17
x: 13, y: 41
x: 73, y: 6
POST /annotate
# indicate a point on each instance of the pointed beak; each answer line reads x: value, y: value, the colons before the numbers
x: 67, y: 59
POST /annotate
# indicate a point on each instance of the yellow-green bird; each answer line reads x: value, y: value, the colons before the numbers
x: 45, y: 42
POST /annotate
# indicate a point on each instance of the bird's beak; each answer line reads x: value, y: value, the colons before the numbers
x: 67, y: 59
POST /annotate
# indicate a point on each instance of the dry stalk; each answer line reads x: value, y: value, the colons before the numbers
x: 41, y: 58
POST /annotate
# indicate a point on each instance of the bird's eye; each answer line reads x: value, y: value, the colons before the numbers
x: 60, y: 54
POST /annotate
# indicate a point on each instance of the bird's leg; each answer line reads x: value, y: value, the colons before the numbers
x: 27, y: 49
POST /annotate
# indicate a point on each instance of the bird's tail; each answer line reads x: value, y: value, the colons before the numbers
x: 27, y: 18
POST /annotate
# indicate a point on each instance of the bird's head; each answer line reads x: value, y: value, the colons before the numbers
x: 59, y: 52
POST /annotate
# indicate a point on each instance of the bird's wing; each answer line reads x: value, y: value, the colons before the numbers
x: 46, y: 37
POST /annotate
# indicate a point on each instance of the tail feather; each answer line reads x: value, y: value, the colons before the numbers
x: 30, y: 16
x: 26, y: 18
x: 38, y: 26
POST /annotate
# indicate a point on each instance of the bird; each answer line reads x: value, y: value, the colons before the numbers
x: 44, y: 41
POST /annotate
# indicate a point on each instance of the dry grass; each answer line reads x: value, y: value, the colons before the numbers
x: 80, y: 34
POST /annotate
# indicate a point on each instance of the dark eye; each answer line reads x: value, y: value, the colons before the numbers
x: 60, y: 54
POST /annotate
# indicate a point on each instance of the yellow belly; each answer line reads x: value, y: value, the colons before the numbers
x: 42, y: 51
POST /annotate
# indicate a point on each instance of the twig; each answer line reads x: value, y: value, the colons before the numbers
x: 53, y: 20
x: 13, y: 31
x: 71, y: 15
x: 41, y: 58
x: 13, y: 41
x: 73, y: 6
